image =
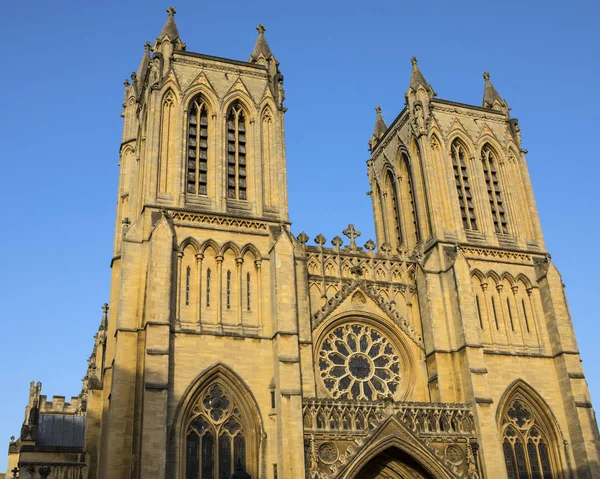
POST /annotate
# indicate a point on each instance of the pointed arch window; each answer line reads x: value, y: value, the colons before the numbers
x: 407, y: 200
x: 216, y: 438
x: 236, y: 153
x: 525, y: 443
x: 488, y: 159
x: 394, y: 206
x: 197, y: 149
x: 463, y: 188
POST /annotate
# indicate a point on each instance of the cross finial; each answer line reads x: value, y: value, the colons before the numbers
x: 414, y: 61
x: 352, y: 233
x: 15, y: 471
x: 486, y: 76
x: 261, y: 29
x: 171, y: 11
x: 105, y: 308
x: 147, y: 46
x: 378, y: 109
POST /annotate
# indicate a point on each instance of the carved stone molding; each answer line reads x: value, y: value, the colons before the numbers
x: 180, y: 217
x: 496, y: 254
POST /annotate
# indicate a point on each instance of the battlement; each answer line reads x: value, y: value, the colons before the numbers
x: 57, y: 404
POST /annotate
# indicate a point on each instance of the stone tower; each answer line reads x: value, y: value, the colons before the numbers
x: 443, y: 349
x: 203, y: 299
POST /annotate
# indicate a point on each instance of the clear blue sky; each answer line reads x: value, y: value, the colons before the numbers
x: 63, y: 66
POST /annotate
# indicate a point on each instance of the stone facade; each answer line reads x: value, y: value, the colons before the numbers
x: 444, y: 349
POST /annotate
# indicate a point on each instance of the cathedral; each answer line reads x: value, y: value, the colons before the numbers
x: 443, y: 348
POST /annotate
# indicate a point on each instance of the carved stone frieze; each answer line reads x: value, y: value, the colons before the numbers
x: 186, y: 218
x: 496, y: 254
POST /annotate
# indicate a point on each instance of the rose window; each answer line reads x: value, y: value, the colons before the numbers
x: 357, y: 361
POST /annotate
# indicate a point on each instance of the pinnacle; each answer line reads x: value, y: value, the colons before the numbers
x: 380, y: 126
x: 491, y: 97
x: 416, y: 77
x: 261, y: 46
x: 170, y: 28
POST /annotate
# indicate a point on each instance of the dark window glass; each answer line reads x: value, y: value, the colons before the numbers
x: 495, y: 315
x: 228, y: 292
x: 479, y: 312
x: 248, y: 291
x: 193, y: 456
x: 545, y: 459
x: 208, y: 288
x: 525, y: 315
x: 510, y: 460
x: 239, y: 448
x: 224, y: 456
x: 188, y: 273
x: 532, y: 452
x: 521, y: 465
x: 510, y: 317
x: 208, y: 456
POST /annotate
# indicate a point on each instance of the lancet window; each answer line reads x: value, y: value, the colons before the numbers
x: 526, y: 444
x: 248, y: 297
x: 236, y: 153
x: 463, y: 188
x: 394, y: 210
x: 493, y: 188
x: 228, y: 290
x: 208, y: 288
x: 197, y: 149
x: 216, y: 438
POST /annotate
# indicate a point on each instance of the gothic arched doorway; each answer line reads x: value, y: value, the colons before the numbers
x: 393, y: 464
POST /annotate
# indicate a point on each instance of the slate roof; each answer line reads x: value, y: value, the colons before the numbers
x: 63, y: 430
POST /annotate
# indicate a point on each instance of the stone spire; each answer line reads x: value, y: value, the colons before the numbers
x: 261, y: 47
x: 491, y: 98
x: 379, y: 130
x: 417, y: 79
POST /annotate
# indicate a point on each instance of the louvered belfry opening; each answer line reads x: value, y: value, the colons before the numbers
x: 463, y: 188
x: 236, y: 153
x: 493, y: 188
x: 197, y: 149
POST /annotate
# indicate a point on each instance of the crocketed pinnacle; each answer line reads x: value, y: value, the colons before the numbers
x: 380, y: 126
x: 170, y: 27
x: 261, y: 47
x: 141, y: 73
x: 416, y: 77
x: 491, y: 98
